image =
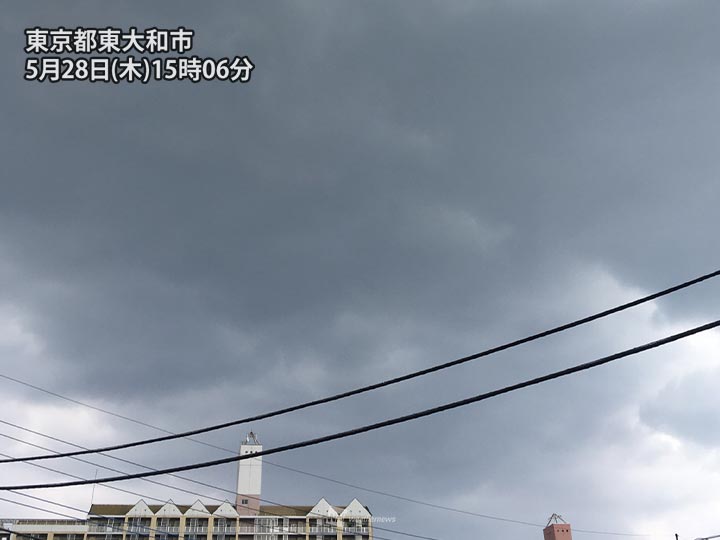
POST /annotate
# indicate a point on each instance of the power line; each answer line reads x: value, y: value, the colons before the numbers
x: 399, y: 497
x: 447, y: 508
x: 69, y: 475
x: 202, y: 495
x: 667, y: 291
x: 121, y: 528
x: 149, y: 529
x: 142, y: 496
x: 116, y: 470
x: 115, y: 488
x: 378, y: 492
x: 356, y: 391
x: 184, y: 478
x: 386, y: 423
x: 278, y: 465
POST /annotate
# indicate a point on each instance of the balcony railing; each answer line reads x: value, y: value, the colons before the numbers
x: 103, y: 528
x: 137, y: 529
x: 292, y: 529
x: 323, y: 529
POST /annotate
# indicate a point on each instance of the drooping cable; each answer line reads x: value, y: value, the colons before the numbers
x: 360, y: 390
x: 386, y: 423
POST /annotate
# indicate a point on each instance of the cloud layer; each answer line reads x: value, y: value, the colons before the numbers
x: 398, y: 186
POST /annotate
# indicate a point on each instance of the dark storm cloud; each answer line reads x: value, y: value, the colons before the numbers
x: 686, y: 408
x: 396, y: 186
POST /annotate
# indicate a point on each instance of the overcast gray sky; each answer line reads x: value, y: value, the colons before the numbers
x: 400, y: 184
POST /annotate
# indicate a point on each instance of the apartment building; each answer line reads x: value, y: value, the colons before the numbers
x: 202, y: 522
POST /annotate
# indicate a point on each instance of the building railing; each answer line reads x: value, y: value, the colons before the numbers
x: 323, y: 529
x: 136, y: 529
x: 289, y: 529
x: 103, y: 528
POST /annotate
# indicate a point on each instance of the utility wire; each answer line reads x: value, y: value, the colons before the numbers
x: 378, y: 492
x: 385, y: 423
x: 158, y: 532
x: 285, y: 467
x: 446, y: 508
x: 69, y: 475
x: 278, y: 465
x: 399, y: 497
x: 177, y: 488
x: 360, y: 390
x: 120, y: 528
x: 123, y: 528
x: 142, y: 496
x: 155, y: 482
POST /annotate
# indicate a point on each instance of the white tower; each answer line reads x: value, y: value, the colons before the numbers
x: 249, y: 478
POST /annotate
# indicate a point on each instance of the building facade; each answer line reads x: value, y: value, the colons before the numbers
x: 198, y: 521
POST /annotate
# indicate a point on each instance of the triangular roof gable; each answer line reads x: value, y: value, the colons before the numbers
x: 323, y: 508
x: 197, y: 510
x: 169, y: 510
x: 141, y: 509
x: 226, y: 510
x: 355, y: 509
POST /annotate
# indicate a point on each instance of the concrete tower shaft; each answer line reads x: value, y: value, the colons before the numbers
x: 249, y: 481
